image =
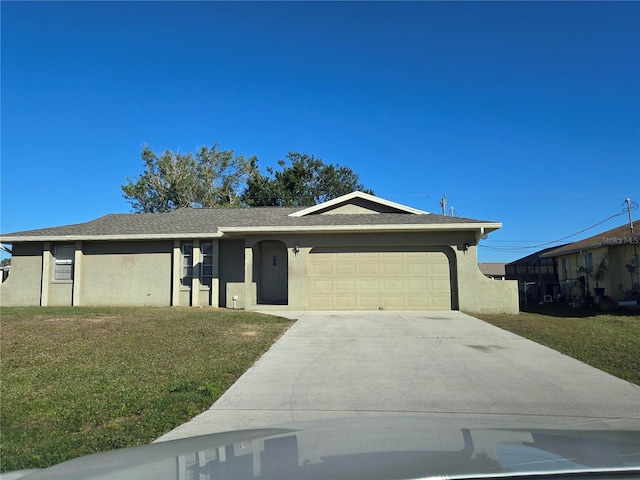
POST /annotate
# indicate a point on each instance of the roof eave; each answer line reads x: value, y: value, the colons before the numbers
x: 484, y: 227
x: 101, y: 238
x: 556, y: 253
x: 481, y: 227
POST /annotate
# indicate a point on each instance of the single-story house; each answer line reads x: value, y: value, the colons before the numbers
x: 620, y: 247
x: 355, y: 252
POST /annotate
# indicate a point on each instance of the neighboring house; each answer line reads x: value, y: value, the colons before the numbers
x: 537, y: 277
x: 620, y: 246
x: 356, y: 252
x: 494, y: 271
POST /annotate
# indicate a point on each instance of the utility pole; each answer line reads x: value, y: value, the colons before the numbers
x: 628, y: 200
x: 443, y: 204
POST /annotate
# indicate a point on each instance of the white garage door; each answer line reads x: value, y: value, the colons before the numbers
x: 361, y: 279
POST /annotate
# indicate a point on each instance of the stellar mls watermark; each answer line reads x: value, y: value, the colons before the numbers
x: 627, y: 240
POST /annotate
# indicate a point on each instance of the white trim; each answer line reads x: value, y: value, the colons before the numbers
x: 177, y: 273
x: 71, y: 238
x: 47, y: 260
x: 76, y: 293
x: 489, y: 227
x: 222, y: 231
x: 361, y: 195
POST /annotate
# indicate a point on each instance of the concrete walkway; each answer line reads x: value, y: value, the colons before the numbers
x: 435, y: 364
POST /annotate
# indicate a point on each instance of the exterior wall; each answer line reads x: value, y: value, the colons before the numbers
x: 60, y: 293
x: 125, y: 273
x: 22, y: 286
x: 618, y: 279
x: 231, y: 272
x: 471, y: 290
x: 479, y: 294
x: 147, y: 273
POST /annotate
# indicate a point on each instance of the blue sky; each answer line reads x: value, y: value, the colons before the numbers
x: 525, y: 113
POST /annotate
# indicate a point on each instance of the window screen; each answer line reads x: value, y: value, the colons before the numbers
x: 64, y: 262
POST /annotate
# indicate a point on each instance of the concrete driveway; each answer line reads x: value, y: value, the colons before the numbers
x: 435, y: 364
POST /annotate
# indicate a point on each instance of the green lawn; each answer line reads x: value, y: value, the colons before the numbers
x: 79, y: 380
x: 610, y: 342
x: 75, y: 381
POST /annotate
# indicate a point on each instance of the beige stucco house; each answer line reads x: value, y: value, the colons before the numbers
x: 620, y: 246
x: 356, y: 252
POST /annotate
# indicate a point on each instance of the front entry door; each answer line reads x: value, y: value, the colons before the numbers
x: 273, y: 273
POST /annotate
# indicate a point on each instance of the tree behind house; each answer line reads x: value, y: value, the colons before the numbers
x: 306, y: 181
x: 208, y: 178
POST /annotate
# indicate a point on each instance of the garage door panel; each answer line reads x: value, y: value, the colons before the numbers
x: 390, y: 302
x: 321, y: 302
x: 322, y: 286
x: 392, y: 286
x: 346, y: 302
x: 368, y: 285
x: 346, y: 286
x: 440, y: 303
x: 367, y: 257
x: 318, y: 270
x: 368, y: 270
x: 370, y: 280
x: 393, y: 269
x: 348, y: 270
x: 439, y: 269
x: 416, y: 285
x: 417, y: 269
x: 368, y: 302
x: 437, y: 287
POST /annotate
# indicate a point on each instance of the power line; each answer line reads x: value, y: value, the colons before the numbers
x: 629, y: 205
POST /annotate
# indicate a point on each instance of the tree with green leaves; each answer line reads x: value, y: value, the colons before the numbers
x: 208, y: 178
x: 306, y: 181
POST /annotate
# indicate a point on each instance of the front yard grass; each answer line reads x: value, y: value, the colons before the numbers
x: 76, y: 381
x: 610, y: 342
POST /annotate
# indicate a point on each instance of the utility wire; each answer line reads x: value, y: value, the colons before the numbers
x: 631, y: 206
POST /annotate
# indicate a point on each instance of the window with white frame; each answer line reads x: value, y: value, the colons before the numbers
x: 63, y: 269
x: 187, y: 265
x: 206, y: 264
x: 565, y: 268
x: 590, y: 262
x: 206, y: 269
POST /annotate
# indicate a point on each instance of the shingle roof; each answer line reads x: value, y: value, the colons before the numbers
x: 610, y: 237
x: 214, y: 221
x: 535, y: 257
x: 493, y: 269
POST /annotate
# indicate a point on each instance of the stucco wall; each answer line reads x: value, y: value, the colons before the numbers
x: 471, y: 290
x: 125, y: 273
x: 22, y: 286
x: 618, y: 257
x: 140, y: 273
x: 479, y: 294
x: 230, y: 270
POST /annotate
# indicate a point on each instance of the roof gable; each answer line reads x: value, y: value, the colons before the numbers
x: 357, y: 203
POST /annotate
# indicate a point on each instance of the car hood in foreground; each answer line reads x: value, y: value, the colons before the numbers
x: 366, y: 448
